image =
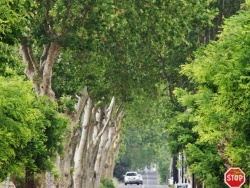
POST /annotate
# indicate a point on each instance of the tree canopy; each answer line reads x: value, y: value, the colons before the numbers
x: 218, y: 108
x: 132, y: 50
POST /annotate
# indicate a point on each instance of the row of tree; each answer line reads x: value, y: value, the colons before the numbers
x: 173, y: 119
x: 127, y: 53
x: 217, y: 110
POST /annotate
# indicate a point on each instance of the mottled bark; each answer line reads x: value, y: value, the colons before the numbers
x: 82, y: 147
x: 91, y: 132
x: 66, y: 162
x: 103, y: 153
x: 40, y: 74
x: 108, y: 166
x: 96, y: 126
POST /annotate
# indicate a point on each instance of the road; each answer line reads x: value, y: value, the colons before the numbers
x: 149, y: 181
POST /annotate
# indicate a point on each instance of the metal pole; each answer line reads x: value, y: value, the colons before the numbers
x: 7, y: 182
x: 48, y: 179
x: 182, y: 170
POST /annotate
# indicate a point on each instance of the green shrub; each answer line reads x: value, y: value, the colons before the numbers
x: 102, y: 186
x: 106, y: 183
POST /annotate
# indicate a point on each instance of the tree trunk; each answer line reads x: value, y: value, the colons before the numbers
x: 91, y: 134
x: 102, y: 156
x: 40, y: 74
x: 114, y: 149
x: 29, y: 179
x: 82, y: 147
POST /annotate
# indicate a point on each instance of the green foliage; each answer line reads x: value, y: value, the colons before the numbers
x: 115, y: 48
x: 163, y: 164
x: 124, y: 47
x: 12, y: 20
x: 146, y: 135
x: 31, y: 129
x: 203, y: 161
x: 121, y: 167
x: 218, y: 110
x: 44, y: 147
x: 9, y: 62
x: 66, y: 103
x: 106, y: 183
x: 16, y: 132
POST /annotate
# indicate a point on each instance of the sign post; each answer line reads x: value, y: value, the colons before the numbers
x: 234, y: 177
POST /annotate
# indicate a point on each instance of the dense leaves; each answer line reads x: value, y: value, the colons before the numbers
x: 12, y: 20
x: 15, y: 129
x: 219, y: 108
x: 125, y: 49
x: 130, y: 48
x: 31, y: 129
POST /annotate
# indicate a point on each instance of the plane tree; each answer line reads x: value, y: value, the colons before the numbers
x: 80, y: 34
x: 31, y: 127
x: 116, y: 46
x: 119, y: 49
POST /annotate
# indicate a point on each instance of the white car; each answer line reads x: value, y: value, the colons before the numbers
x: 133, y: 177
x: 171, y: 181
x: 140, y: 179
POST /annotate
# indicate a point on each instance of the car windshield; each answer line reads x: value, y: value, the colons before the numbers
x: 131, y: 174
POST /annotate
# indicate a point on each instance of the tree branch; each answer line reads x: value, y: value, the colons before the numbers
x: 109, y: 110
x: 53, y: 53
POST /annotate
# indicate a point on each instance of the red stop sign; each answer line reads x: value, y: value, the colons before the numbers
x: 234, y: 177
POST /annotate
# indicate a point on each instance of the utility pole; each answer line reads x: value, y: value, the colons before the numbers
x: 7, y: 184
x: 48, y: 179
x: 182, y: 168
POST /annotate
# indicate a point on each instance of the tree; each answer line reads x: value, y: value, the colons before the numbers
x: 54, y: 30
x: 96, y: 30
x: 145, y: 136
x: 14, y: 99
x: 31, y: 129
x: 12, y: 21
x: 120, y: 47
x: 219, y: 106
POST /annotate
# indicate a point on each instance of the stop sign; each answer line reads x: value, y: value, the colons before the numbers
x: 234, y: 177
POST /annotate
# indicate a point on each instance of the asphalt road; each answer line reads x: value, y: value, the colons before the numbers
x: 149, y: 181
